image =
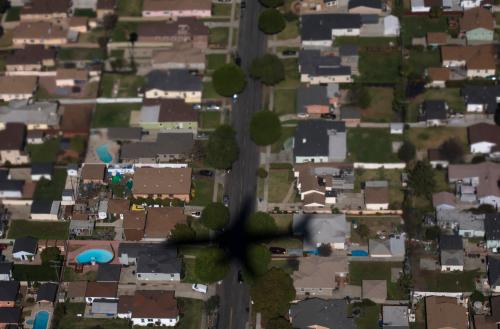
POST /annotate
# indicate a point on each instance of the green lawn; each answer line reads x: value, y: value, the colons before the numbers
x: 129, y: 8
x: 359, y: 271
x: 449, y: 282
x: 13, y: 14
x: 285, y: 101
x: 370, y: 145
x: 209, y: 90
x: 380, y: 109
x: 46, y: 152
x: 209, y: 119
x: 286, y: 133
x: 191, y: 311
x: 374, y: 224
x: 221, y: 9
x: 128, y: 84
x: 113, y: 115
x: 73, y: 54
x: 366, y: 42
x: 450, y: 95
x: 37, y: 229
x: 379, y: 66
x: 70, y: 320
x: 420, y: 60
x: 292, y: 75
x: 85, y: 13
x: 418, y: 26
x: 34, y: 273
x: 122, y: 31
x: 433, y: 137
x: 214, y: 61
x: 287, y: 265
x: 291, y: 31
x: 202, y: 191
x: 369, y: 317
x: 51, y: 190
x: 189, y: 273
x: 218, y: 36
x: 279, y: 183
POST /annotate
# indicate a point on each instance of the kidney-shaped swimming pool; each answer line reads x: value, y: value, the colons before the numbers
x: 94, y: 256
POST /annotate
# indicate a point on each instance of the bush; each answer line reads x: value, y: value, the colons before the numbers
x: 211, y: 265
x: 265, y: 128
x: 269, y: 69
x: 271, y: 21
x: 261, y: 173
x: 222, y: 149
x: 407, y: 152
x: 452, y: 150
x: 229, y: 80
x: 258, y: 259
x: 272, y: 293
x: 261, y: 223
x: 215, y: 216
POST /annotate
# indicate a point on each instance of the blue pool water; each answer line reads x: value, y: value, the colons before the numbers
x: 359, y: 253
x: 94, y: 256
x: 41, y: 320
x: 103, y: 153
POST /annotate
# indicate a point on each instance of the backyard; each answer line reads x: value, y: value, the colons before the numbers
x: 68, y: 319
x: 421, y: 59
x: 359, y: 271
x: 51, y: 189
x: 392, y: 176
x: 37, y: 229
x: 45, y: 152
x: 380, y: 109
x: 113, y: 115
x: 433, y: 137
x: 209, y: 119
x: 379, y: 66
x: 370, y: 145
x: 451, y: 95
x: 129, y: 8
x: 127, y: 85
x: 418, y: 26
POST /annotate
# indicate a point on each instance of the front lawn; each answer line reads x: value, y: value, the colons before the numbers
x: 202, y: 191
x: 359, y: 271
x: 370, y: 145
x: 122, y: 31
x: 221, y: 9
x: 218, y: 36
x: 129, y: 8
x: 279, y: 184
x: 292, y: 75
x: 191, y: 311
x: 380, y: 109
x: 291, y: 31
x: 51, y: 189
x: 433, y: 137
x: 13, y: 14
x: 74, y: 54
x: 37, y: 229
x: 418, y: 26
x: 209, y: 119
x: 46, y: 152
x: 128, y: 85
x: 380, y: 66
x: 420, y: 60
x: 214, y: 61
x: 209, y: 90
x: 286, y: 133
x: 285, y: 101
x: 113, y: 115
x: 450, y: 95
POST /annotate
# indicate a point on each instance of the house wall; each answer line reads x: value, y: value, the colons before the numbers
x: 10, y: 194
x: 317, y: 43
x: 451, y: 268
x: 183, y: 197
x: 24, y: 67
x: 21, y: 255
x: 454, y: 63
x: 158, y: 276
x: 187, y: 96
x: 36, y: 178
x: 479, y: 34
x: 471, y: 233
x: 300, y: 159
x: 345, y: 32
x: 85, y: 4
x: 481, y: 147
x: 467, y: 4
x: 316, y: 80
x: 90, y: 300
x: 10, y: 97
x: 193, y: 125
x: 475, y: 108
x: 42, y: 217
x: 177, y: 13
x: 321, y: 292
x: 480, y: 73
x: 365, y: 10
x: 15, y: 157
x: 5, y: 277
x: 377, y: 206
x: 143, y: 322
x: 7, y: 303
x: 46, y: 42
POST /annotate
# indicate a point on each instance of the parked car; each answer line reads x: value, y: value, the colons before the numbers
x: 277, y: 250
x: 225, y: 200
x: 201, y: 288
x: 328, y: 116
x: 213, y: 107
x: 196, y: 214
x: 289, y: 52
x: 207, y: 173
x: 196, y: 106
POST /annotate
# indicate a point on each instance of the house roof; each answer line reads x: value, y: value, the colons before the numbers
x: 328, y: 313
x: 108, y: 273
x: 311, y: 95
x: 178, y: 80
x: 93, y: 171
x: 167, y: 110
x: 162, y: 181
x: 374, y: 289
x: 484, y: 95
x: 9, y: 290
x: 445, y: 312
x: 39, y: 30
x: 5, y: 267
x: 439, y: 73
x: 134, y: 220
x: 165, y: 144
x: 316, y: 63
x: 484, y: 132
x: 125, y: 133
x: 492, y: 226
x: 17, y: 84
x: 376, y: 4
x: 379, y: 247
x: 319, y: 272
x: 30, y: 54
x: 173, y: 5
x: 476, y: 57
x: 152, y: 257
x: 160, y: 221
x: 475, y: 18
x: 101, y: 289
x: 395, y: 316
x: 39, y: 168
x: 118, y: 206
x: 442, y: 198
x: 38, y: 7
x: 182, y: 26
x: 104, y: 306
x: 125, y: 304
x: 13, y: 136
x: 434, y: 109
x: 452, y: 257
x: 437, y: 38
x: 71, y: 74
x: 154, y: 304
x: 451, y: 242
x: 322, y: 228
x: 320, y: 26
x: 312, y: 138
x: 10, y: 315
x: 376, y: 195
x: 77, y: 289
x: 465, y: 220
x: 488, y: 174
x: 106, y: 4
x: 44, y: 207
x: 47, y: 292
x: 27, y: 244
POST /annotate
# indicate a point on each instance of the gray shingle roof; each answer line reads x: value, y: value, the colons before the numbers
x: 125, y: 133
x: 329, y: 313
x: 173, y: 80
x: 434, y: 109
x: 152, y: 257
x: 312, y: 139
x: 27, y: 244
x: 314, y: 63
x: 8, y: 290
x: 451, y: 242
x: 320, y: 26
x: 377, y: 4
x: 492, y: 226
x: 166, y: 144
x: 108, y: 273
x: 494, y: 270
x: 311, y: 95
x: 321, y: 228
x: 47, y: 292
x: 486, y: 95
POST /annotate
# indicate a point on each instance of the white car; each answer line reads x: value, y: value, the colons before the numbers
x: 200, y: 288
x: 196, y: 214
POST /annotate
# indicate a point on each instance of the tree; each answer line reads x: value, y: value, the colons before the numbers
x: 271, y: 21
x: 109, y: 22
x: 4, y: 5
x: 103, y: 42
x: 229, y: 80
x: 325, y: 250
x: 222, y: 149
x: 421, y: 179
x: 215, y: 216
x: 271, y: 3
x: 258, y: 259
x: 261, y: 223
x: 212, y: 303
x: 360, y: 96
x: 132, y: 38
x: 476, y: 296
x: 272, y: 293
x: 1, y: 31
x: 407, y: 151
x: 269, y: 69
x: 363, y: 231
x: 261, y: 173
x: 278, y: 323
x: 211, y: 265
x: 432, y: 233
x: 436, y: 12
x: 452, y: 150
x: 265, y: 128
x: 50, y: 254
x: 182, y: 233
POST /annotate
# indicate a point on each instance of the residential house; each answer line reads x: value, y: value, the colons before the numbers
x: 438, y: 76
x: 494, y: 273
x: 8, y: 293
x: 434, y: 112
x: 12, y: 142
x: 10, y: 317
x: 162, y: 183
x: 444, y: 201
x: 161, y: 221
x: 25, y: 248
x: 491, y: 319
x: 117, y: 208
x: 395, y: 317
x: 133, y: 225
x: 100, y: 291
x: 392, y: 27
x: 330, y: 229
x: 470, y: 61
x: 17, y: 87
x: 173, y: 9
x: 351, y: 115
x: 484, y: 138
x: 11, y: 188
x: 45, y: 10
x: 76, y: 291
x: 108, y: 273
x: 35, y: 115
x: 445, y: 312
x: 424, y: 6
x: 321, y: 313
x: 466, y: 4
x: 93, y: 173
x: 365, y: 7
x: 452, y: 253
x: 476, y: 182
x: 81, y: 225
x: 316, y: 68
x: 71, y: 77
x: 314, y: 100
x: 465, y: 223
x: 173, y: 84
x: 320, y: 276
x: 168, y: 147
x: 320, y: 141
x: 150, y: 307
x: 45, y: 210
x: 437, y: 159
x: 436, y: 39
x: 320, y: 29
x: 492, y: 230
x: 5, y: 271
x: 125, y: 134
x: 478, y: 24
x: 185, y: 58
x: 78, y: 24
x: 154, y: 261
x: 319, y: 184
x: 47, y: 293
x: 394, y: 247
x: 29, y: 59
x: 376, y: 195
x: 105, y: 7
x: 39, y: 33
x: 108, y: 308
x: 483, y: 99
x: 168, y: 115
x: 374, y: 290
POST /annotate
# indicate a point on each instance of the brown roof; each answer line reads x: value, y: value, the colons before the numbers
x: 438, y: 73
x: 134, y: 220
x: 484, y: 322
x: 46, y: 7
x: 101, y: 289
x: 435, y: 155
x: 187, y: 26
x: 73, y: 74
x: 17, y: 85
x: 175, y: 5
x: 38, y: 30
x: 77, y: 21
x: 476, y: 57
x: 443, y: 198
x: 445, y: 312
x: 160, y: 221
x: 488, y: 174
x: 477, y: 18
x: 33, y: 54
x: 93, y: 171
x: 13, y: 136
x: 77, y: 289
x: 162, y: 181
x: 178, y: 55
x: 174, y: 110
x: 118, y: 206
x: 319, y: 272
x: 154, y: 304
x: 314, y: 198
x: 437, y: 38
x: 377, y: 194
x: 125, y: 304
x: 106, y: 4
x: 484, y: 132
x: 76, y: 118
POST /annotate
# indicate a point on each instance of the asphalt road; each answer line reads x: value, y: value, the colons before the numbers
x: 242, y: 181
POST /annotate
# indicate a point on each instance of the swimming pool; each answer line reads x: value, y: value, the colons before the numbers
x: 41, y: 320
x: 103, y: 153
x: 94, y: 256
x: 359, y: 253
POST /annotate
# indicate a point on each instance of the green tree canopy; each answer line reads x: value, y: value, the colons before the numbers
x: 452, y: 150
x: 228, y: 80
x: 271, y: 21
x: 269, y: 69
x: 421, y: 179
x: 222, y: 149
x: 265, y: 128
x: 278, y: 323
x: 272, y: 3
x: 182, y: 232
x: 211, y: 265
x: 50, y: 254
x: 407, y: 151
x: 215, y: 216
x: 261, y: 223
x: 272, y: 293
x: 258, y: 259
